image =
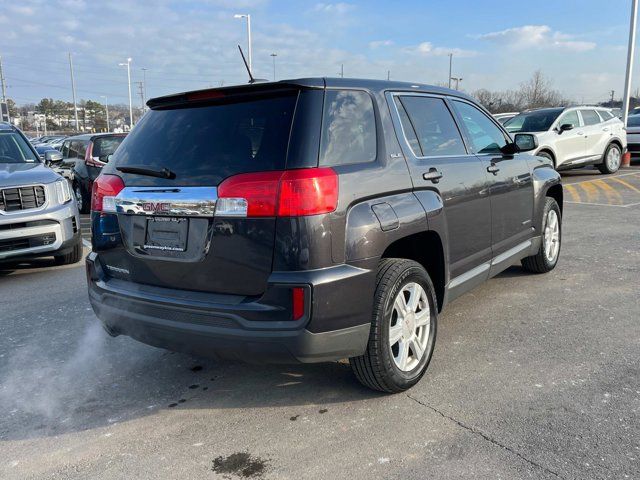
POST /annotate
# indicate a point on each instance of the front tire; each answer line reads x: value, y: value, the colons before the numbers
x: 73, y: 256
x: 403, y: 328
x: 611, y: 160
x: 547, y: 257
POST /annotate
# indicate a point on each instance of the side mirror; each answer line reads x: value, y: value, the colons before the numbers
x: 52, y: 157
x: 510, y: 149
x: 564, y: 127
x: 526, y: 142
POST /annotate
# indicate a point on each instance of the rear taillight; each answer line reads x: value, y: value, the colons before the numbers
x: 104, y: 191
x: 290, y: 193
x: 297, y: 303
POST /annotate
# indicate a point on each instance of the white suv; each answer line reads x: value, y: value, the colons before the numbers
x: 575, y: 136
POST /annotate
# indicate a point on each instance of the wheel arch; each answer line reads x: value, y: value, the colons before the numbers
x: 550, y: 151
x: 426, y: 248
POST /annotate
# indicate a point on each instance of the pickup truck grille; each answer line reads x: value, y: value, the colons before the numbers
x: 22, y: 198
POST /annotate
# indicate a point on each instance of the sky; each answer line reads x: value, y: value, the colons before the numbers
x: 191, y: 44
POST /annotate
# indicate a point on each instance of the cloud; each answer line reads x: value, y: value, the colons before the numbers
x: 22, y: 10
x: 380, y: 43
x: 536, y: 36
x: 427, y: 49
x: 339, y: 8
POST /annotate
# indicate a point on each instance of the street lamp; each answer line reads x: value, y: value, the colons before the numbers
x: 106, y: 107
x: 274, y: 55
x: 457, y: 80
x: 128, y: 65
x: 248, y: 17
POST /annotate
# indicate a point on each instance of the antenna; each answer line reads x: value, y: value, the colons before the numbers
x: 251, y: 79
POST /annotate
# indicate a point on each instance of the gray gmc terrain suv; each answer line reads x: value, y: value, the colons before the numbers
x: 312, y: 220
x: 38, y: 216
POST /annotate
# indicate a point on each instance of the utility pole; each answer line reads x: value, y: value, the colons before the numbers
x: 342, y: 70
x: 106, y: 107
x: 144, y: 91
x: 4, y: 93
x: 141, y: 91
x: 274, y: 55
x: 73, y: 92
x: 128, y: 65
x: 612, y: 94
x: 388, y: 75
x: 630, y: 53
x: 450, y: 64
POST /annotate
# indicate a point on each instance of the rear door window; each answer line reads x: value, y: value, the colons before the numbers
x: 590, y: 117
x: 428, y: 120
x: 348, y: 128
x: 204, y: 144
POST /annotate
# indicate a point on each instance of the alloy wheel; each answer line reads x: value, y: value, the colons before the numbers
x: 410, y: 326
x: 552, y: 236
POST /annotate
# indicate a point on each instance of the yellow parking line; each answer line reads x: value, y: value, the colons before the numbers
x: 612, y: 195
x: 591, y: 191
x: 573, y: 192
x: 626, y: 184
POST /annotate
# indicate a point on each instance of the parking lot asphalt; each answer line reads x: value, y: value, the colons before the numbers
x: 533, y: 376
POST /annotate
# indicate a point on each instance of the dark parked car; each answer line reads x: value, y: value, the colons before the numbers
x: 313, y: 220
x: 83, y: 158
x: 633, y: 136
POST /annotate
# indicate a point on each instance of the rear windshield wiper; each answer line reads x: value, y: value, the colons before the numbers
x: 149, y: 171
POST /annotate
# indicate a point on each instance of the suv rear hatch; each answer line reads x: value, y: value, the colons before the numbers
x: 171, y: 165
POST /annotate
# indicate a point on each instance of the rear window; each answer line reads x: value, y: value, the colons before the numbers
x: 205, y: 144
x: 105, y: 146
x: 348, y: 128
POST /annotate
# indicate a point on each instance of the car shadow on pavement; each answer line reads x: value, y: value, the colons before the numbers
x: 101, y: 381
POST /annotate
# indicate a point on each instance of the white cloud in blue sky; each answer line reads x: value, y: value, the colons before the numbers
x: 190, y: 44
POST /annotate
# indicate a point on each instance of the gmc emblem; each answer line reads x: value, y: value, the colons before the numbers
x: 155, y: 207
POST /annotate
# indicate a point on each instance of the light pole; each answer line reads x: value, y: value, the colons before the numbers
x: 457, y: 80
x: 144, y: 90
x: 106, y: 107
x: 450, y: 63
x: 128, y: 65
x: 630, y: 53
x: 73, y: 92
x: 274, y: 55
x: 248, y: 17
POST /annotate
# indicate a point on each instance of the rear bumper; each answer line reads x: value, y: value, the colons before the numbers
x: 336, y: 325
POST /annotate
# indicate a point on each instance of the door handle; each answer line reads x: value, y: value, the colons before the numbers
x: 493, y: 169
x: 580, y: 133
x: 605, y: 129
x: 433, y: 174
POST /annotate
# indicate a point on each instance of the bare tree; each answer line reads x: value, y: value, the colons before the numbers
x: 537, y: 92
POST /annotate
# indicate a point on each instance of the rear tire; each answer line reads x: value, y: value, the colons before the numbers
x: 400, y: 344
x: 611, y: 160
x: 547, y: 257
x: 73, y: 256
x: 82, y: 198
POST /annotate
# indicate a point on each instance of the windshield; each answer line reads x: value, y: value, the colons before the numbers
x: 105, y: 146
x: 203, y: 145
x: 538, y: 121
x: 14, y: 149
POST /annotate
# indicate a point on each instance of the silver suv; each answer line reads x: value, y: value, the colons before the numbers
x: 575, y: 136
x: 38, y: 216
